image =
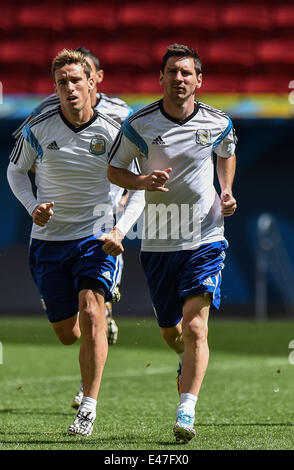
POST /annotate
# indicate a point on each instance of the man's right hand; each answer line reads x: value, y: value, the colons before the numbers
x: 42, y: 213
x: 156, y: 180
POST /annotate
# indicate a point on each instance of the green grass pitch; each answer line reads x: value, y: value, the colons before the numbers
x: 246, y: 401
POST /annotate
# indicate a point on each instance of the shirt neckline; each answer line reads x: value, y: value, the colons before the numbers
x: 83, y: 126
x: 175, y: 120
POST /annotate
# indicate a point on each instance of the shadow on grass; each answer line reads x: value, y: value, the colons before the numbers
x: 243, y: 424
x: 37, y: 411
x: 64, y: 438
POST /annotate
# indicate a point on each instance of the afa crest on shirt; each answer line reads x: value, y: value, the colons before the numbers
x: 97, y: 145
x: 203, y: 136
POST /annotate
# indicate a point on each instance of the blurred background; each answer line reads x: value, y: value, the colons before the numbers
x: 247, y: 50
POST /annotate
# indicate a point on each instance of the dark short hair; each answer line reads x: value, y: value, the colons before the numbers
x: 181, y: 50
x: 88, y: 53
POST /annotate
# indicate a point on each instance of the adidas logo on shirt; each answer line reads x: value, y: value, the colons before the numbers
x: 158, y: 141
x: 53, y: 146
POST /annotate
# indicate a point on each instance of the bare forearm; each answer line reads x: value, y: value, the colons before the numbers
x: 226, y: 168
x: 125, y: 178
x: 155, y: 181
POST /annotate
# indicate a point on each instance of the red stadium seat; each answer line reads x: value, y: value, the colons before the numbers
x: 24, y: 52
x: 266, y: 84
x: 283, y: 19
x: 41, y: 17
x: 91, y: 16
x: 137, y: 19
x: 230, y: 56
x: 148, y: 83
x: 117, y: 84
x: 14, y: 84
x: 246, y: 17
x: 43, y: 85
x: 276, y: 53
x: 219, y: 83
x: 194, y: 17
x: 7, y: 18
x: 127, y: 54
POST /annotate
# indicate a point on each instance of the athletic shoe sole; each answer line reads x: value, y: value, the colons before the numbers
x: 183, y: 434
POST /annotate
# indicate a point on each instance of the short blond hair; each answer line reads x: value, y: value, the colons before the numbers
x: 67, y: 57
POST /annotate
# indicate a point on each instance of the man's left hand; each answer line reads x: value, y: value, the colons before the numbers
x: 113, y: 242
x: 228, y: 204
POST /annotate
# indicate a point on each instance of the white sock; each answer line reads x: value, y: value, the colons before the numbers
x: 88, y: 404
x: 188, y: 403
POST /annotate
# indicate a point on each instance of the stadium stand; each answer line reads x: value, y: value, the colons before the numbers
x: 265, y: 84
x: 127, y: 55
x: 283, y: 19
x: 41, y: 19
x: 92, y: 15
x: 194, y: 17
x: 250, y: 41
x: 234, y: 56
x: 6, y: 19
x: 15, y: 84
x: 29, y: 52
x: 137, y: 18
x: 221, y: 82
x: 245, y: 18
x: 276, y: 54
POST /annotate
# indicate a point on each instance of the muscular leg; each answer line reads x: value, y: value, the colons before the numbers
x: 68, y: 331
x: 195, y: 361
x: 190, y: 336
x: 173, y: 337
x: 195, y: 331
x: 94, y: 345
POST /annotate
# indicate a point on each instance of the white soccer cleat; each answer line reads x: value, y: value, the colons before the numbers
x: 184, y: 428
x: 78, y: 398
x: 83, y: 424
x: 116, y: 295
x: 112, y: 331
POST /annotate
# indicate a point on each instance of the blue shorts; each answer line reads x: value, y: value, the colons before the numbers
x: 172, y: 276
x: 58, y: 266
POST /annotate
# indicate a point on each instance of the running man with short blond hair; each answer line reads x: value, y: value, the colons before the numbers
x: 74, y: 244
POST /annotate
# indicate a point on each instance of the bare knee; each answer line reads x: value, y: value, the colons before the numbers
x: 173, y: 337
x: 92, y: 315
x: 66, y: 337
x: 195, y: 330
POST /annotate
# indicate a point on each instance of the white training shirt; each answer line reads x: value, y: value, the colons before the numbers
x: 189, y: 214
x: 112, y: 106
x: 71, y: 170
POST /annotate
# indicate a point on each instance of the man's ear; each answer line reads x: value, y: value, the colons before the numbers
x: 91, y: 83
x: 199, y: 80
x: 100, y: 76
x: 160, y: 77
